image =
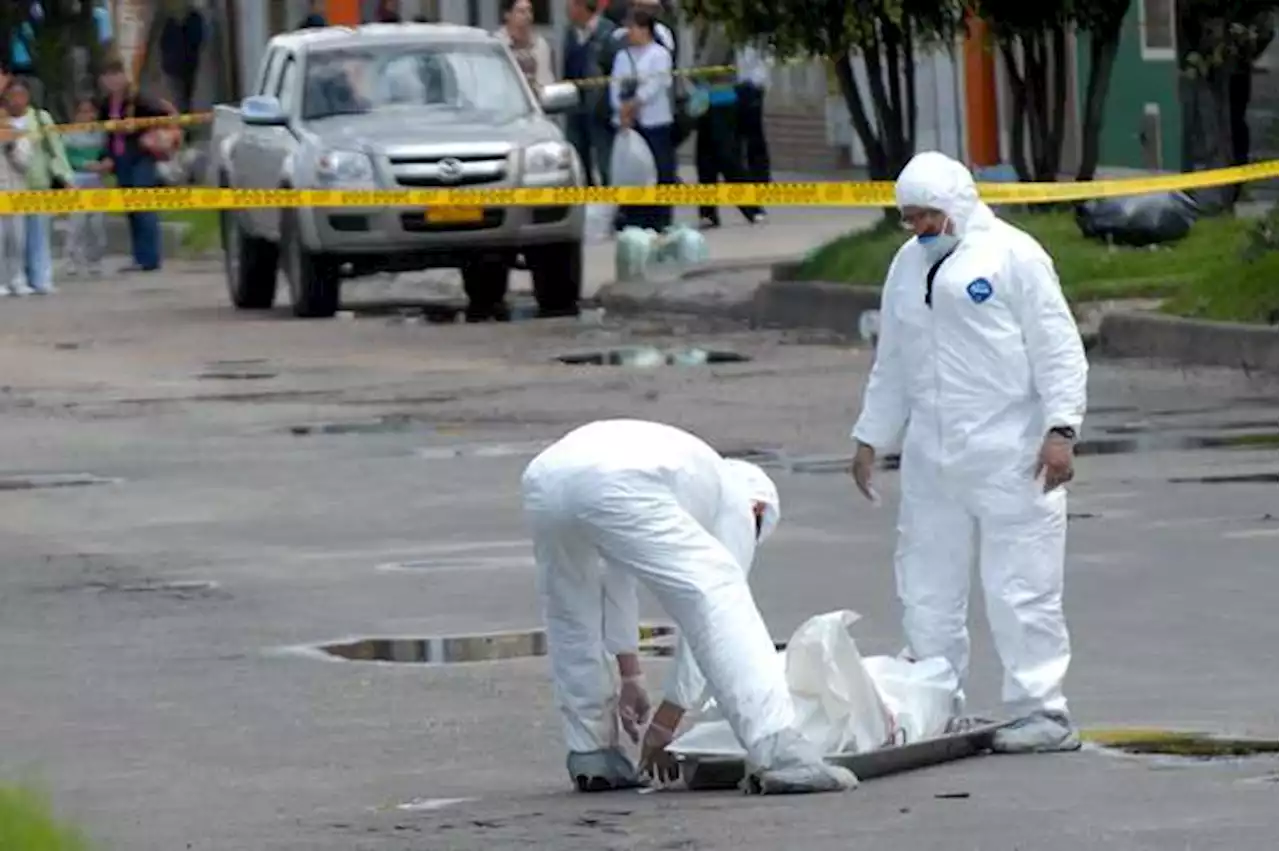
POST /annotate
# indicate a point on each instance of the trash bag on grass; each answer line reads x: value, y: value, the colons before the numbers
x: 1138, y: 220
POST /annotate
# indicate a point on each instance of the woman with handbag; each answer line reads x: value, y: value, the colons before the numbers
x: 47, y: 168
x: 133, y: 156
x: 640, y: 92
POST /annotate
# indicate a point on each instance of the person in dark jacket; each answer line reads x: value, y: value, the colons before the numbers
x: 133, y: 165
x: 718, y: 148
x: 388, y: 12
x: 181, y: 41
x: 315, y: 17
x: 588, y: 53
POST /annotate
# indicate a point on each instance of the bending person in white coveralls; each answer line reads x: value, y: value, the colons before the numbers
x: 980, y: 362
x: 617, y: 501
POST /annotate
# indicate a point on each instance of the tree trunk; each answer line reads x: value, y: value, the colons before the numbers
x: 876, y: 163
x: 1018, y: 125
x: 1204, y: 93
x: 1103, y: 47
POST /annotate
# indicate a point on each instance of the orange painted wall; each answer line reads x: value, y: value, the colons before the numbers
x: 981, y: 107
x: 342, y: 13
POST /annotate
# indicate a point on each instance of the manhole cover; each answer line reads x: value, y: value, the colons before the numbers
x: 52, y: 480
x: 650, y: 357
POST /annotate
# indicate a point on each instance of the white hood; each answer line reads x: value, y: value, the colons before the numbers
x: 762, y: 489
x: 936, y: 182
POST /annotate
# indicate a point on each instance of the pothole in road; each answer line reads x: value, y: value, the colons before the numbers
x: 52, y: 480
x: 655, y: 640
x: 1178, y: 745
x: 651, y: 357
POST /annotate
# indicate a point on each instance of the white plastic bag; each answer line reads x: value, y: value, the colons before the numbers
x: 844, y: 703
x: 599, y: 223
x: 837, y: 704
x: 632, y: 254
x: 920, y: 695
x: 631, y: 163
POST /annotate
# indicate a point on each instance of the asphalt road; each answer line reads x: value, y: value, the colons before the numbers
x: 273, y: 484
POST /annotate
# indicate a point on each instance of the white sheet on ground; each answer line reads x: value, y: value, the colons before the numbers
x: 845, y: 703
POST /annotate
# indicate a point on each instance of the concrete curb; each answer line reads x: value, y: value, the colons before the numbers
x: 813, y: 304
x: 1188, y: 341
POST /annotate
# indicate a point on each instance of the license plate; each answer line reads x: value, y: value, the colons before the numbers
x: 455, y: 215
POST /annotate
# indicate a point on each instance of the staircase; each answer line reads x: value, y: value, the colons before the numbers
x: 798, y: 140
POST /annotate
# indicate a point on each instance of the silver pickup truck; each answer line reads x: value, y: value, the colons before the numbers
x: 392, y: 106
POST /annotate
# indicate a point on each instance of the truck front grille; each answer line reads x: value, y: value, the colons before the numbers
x: 448, y: 171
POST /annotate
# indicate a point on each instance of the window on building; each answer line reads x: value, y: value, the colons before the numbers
x: 1156, y: 20
x: 541, y: 12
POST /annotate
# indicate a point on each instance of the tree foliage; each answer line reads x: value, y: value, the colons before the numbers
x: 1033, y: 42
x: 886, y: 34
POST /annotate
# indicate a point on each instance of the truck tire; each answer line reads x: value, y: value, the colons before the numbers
x: 250, y: 265
x: 485, y: 283
x: 315, y: 284
x: 557, y: 277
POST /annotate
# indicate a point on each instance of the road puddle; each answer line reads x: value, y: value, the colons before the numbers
x: 651, y: 357
x: 52, y: 480
x: 655, y: 641
x: 1177, y: 745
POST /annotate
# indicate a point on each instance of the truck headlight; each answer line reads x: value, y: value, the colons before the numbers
x: 548, y: 158
x: 344, y: 168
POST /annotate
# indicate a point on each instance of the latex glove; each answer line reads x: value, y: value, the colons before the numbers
x: 633, y: 706
x: 864, y: 462
x: 654, y: 758
x: 1055, y: 461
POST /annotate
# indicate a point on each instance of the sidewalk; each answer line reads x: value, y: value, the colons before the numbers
x: 789, y: 233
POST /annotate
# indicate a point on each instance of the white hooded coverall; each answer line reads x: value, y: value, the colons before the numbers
x: 656, y: 504
x: 976, y: 381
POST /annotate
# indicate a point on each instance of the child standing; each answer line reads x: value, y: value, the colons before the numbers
x: 15, y: 155
x: 86, y: 152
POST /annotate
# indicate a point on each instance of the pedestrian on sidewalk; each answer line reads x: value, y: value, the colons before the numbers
x: 530, y: 49
x: 588, y: 54
x: 47, y: 168
x: 753, y: 84
x: 181, y: 43
x: 718, y: 151
x: 86, y: 235
x: 640, y: 92
x: 15, y: 155
x: 134, y: 166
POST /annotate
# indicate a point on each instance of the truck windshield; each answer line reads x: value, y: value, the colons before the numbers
x: 447, y: 78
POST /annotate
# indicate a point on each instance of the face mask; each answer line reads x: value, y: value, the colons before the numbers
x: 936, y: 245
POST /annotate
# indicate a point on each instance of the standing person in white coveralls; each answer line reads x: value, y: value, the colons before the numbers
x: 980, y: 363
x: 617, y: 501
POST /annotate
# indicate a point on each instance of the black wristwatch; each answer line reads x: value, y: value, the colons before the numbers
x: 1064, y: 431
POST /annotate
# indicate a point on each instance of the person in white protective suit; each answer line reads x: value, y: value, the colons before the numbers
x: 980, y: 363
x: 617, y: 501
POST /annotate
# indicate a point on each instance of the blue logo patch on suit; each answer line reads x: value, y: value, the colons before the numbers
x: 979, y: 290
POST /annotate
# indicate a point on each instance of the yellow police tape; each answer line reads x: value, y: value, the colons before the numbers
x: 863, y: 194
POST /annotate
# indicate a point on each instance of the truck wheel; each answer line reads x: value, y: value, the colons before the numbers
x: 485, y: 283
x: 557, y: 277
x: 250, y: 265
x: 315, y: 285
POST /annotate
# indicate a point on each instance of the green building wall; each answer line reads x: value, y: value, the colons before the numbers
x: 1135, y: 82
